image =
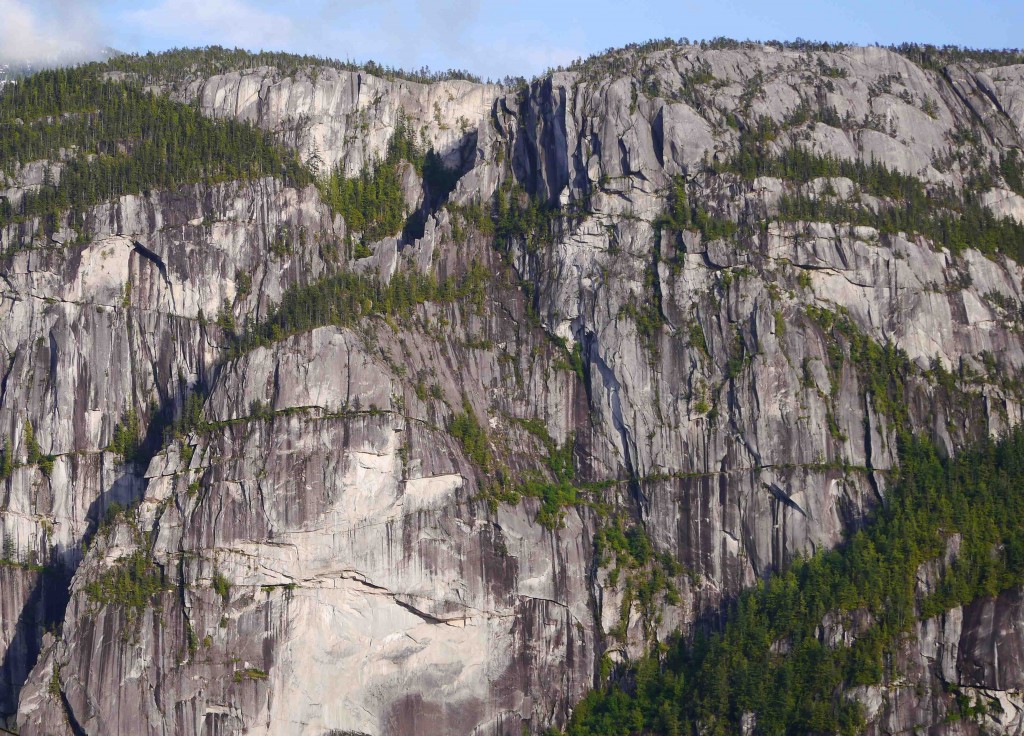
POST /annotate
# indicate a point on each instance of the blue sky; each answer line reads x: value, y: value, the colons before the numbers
x: 489, y: 38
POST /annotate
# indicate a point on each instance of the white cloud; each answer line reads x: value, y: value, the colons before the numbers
x: 204, y: 22
x: 54, y: 31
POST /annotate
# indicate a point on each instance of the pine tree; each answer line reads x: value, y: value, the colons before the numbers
x: 32, y: 451
x: 6, y: 460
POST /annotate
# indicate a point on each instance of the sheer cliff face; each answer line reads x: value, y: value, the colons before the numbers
x: 341, y: 118
x: 331, y: 558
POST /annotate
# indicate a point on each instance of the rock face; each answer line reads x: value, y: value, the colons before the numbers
x: 968, y: 658
x: 330, y: 557
x: 345, y: 119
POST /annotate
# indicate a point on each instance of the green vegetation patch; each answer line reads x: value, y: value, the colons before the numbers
x: 948, y: 219
x: 1012, y: 168
x: 466, y: 429
x: 647, y: 578
x: 883, y: 369
x: 517, y: 216
x: 34, y: 454
x: 373, y: 203
x: 186, y: 64
x: 554, y: 483
x: 222, y: 586
x: 249, y: 673
x: 6, y: 460
x: 131, y: 582
x: 558, y: 493
x: 343, y: 298
x: 769, y: 659
x: 114, y: 139
x: 126, y: 441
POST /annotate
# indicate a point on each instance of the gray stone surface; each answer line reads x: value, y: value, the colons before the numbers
x: 372, y: 589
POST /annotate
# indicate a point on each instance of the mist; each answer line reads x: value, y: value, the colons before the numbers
x: 44, y: 33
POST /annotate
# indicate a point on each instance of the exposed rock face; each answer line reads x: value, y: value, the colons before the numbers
x: 969, y: 658
x: 346, y: 119
x: 327, y: 556
x: 114, y: 327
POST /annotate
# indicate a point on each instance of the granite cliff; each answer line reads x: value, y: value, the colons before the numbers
x: 668, y: 289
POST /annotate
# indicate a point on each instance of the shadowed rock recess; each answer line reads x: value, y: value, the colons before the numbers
x: 338, y: 402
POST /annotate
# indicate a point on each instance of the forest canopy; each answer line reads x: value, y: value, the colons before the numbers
x: 112, y: 139
x: 185, y: 64
x: 770, y: 660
